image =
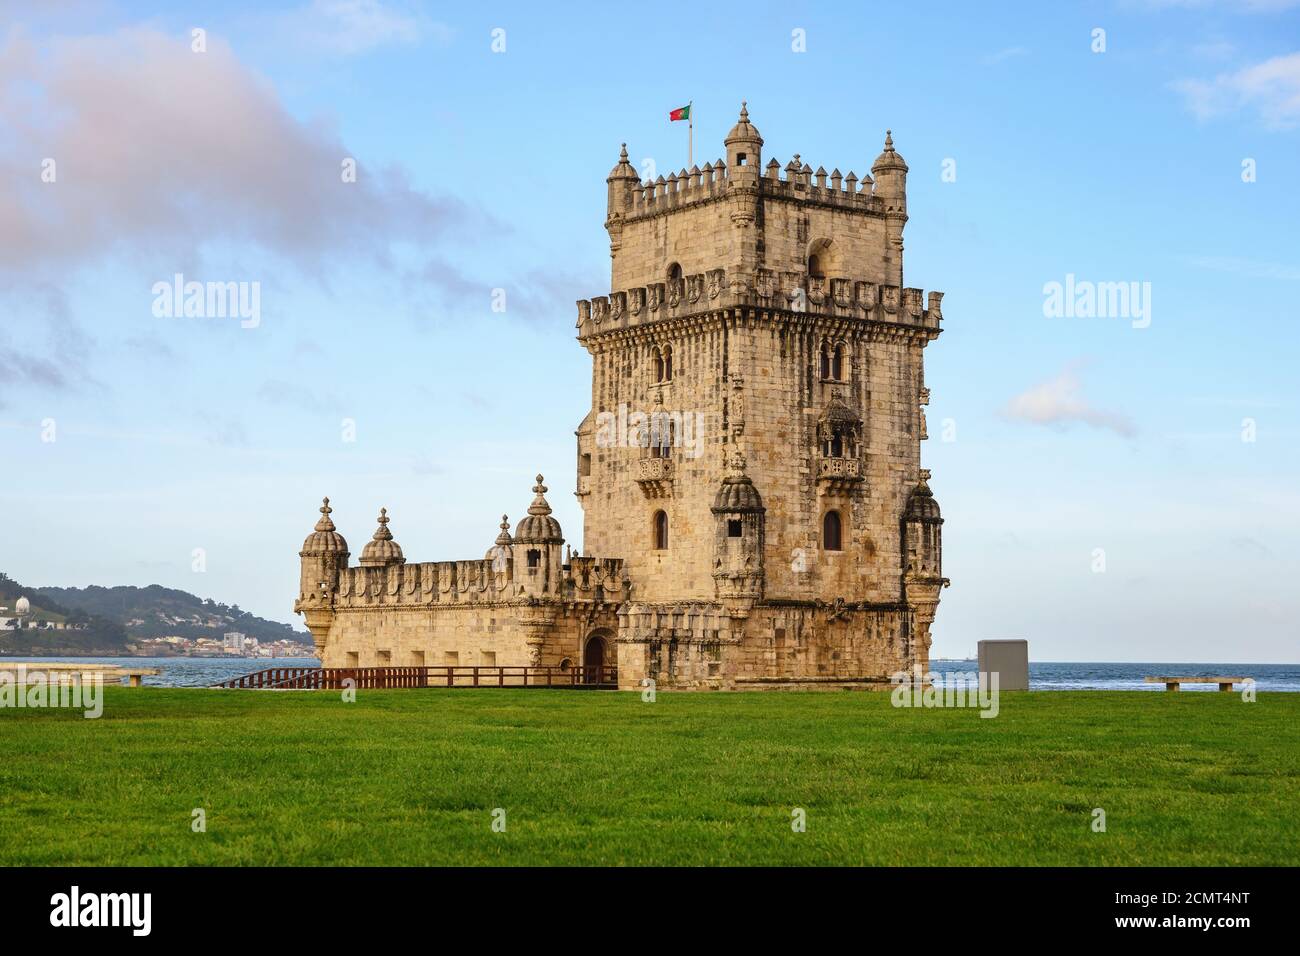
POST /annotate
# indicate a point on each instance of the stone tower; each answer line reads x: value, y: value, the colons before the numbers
x: 753, y: 446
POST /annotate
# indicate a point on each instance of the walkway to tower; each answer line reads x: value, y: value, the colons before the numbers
x: 343, y: 678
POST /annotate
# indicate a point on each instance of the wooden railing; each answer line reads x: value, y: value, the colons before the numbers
x: 338, y: 678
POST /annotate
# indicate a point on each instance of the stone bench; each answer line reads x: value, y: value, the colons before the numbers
x: 1225, y: 683
x: 69, y: 673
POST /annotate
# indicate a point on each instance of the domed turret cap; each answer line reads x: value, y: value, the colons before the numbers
x: 381, y: 549
x: 737, y: 494
x: 504, y: 538
x: 538, y: 526
x: 922, y: 506
x: 325, y: 539
x: 889, y: 159
x: 623, y: 169
x: 744, y: 131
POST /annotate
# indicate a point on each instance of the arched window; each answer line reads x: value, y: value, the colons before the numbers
x: 674, y: 272
x: 663, y: 434
x: 661, y: 531
x: 659, y: 364
x: 534, y: 558
x: 815, y: 267
x: 825, y: 369
x: 668, y: 364
x: 831, y: 537
x: 837, y: 446
x: 837, y: 364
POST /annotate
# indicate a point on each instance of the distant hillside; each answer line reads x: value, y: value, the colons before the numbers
x: 156, y: 611
x: 86, y: 633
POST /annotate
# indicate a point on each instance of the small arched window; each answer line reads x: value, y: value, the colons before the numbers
x: 659, y: 364
x: 832, y: 539
x: 815, y: 267
x: 668, y: 364
x: 837, y: 364
x: 825, y: 367
x: 534, y: 558
x: 674, y: 272
x: 661, y: 531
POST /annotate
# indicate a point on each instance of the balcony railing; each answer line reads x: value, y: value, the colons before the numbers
x: 849, y: 469
x: 654, y: 469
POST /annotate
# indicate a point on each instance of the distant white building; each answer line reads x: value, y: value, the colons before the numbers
x: 233, y: 641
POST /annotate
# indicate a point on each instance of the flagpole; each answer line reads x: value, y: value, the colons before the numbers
x: 690, y: 135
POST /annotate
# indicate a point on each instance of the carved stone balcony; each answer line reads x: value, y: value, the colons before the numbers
x: 655, y: 476
x: 839, y: 476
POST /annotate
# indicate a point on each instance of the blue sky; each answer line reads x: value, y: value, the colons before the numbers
x: 482, y: 170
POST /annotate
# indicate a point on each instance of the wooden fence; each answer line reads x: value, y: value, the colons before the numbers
x: 338, y: 678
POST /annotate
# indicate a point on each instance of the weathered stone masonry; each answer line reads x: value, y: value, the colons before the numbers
x: 751, y: 458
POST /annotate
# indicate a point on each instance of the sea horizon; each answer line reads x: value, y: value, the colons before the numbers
x: 1043, y: 675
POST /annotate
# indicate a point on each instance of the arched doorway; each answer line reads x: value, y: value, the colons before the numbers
x: 594, y: 658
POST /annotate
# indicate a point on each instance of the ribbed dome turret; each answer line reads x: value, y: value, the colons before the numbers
x: 381, y: 549
x: 325, y: 539
x: 890, y: 158
x: 743, y: 131
x: 922, y: 506
x: 623, y: 169
x: 538, y: 527
x: 737, y: 494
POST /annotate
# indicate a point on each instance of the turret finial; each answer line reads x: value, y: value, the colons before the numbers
x: 382, y: 533
x: 539, y: 505
x: 889, y: 141
x: 744, y: 112
x: 325, y: 524
x: 622, y: 154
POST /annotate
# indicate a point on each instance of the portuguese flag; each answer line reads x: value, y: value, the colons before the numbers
x: 684, y: 113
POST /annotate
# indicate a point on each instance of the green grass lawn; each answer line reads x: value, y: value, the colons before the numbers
x: 413, y: 776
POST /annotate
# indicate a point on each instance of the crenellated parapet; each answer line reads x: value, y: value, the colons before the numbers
x: 692, y: 295
x: 796, y: 183
x: 471, y: 582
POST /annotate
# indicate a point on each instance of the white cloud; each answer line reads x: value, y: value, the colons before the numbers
x: 351, y: 27
x: 1060, y: 401
x: 1271, y: 88
x: 161, y: 150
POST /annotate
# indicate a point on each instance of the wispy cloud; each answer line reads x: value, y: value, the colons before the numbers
x: 1009, y: 53
x: 1271, y: 88
x: 1059, y: 401
x: 1251, y: 268
x: 353, y: 27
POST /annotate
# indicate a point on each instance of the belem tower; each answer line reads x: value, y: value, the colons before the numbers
x: 755, y: 513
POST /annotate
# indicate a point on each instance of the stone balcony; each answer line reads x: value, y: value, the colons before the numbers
x: 655, y: 476
x: 838, y: 476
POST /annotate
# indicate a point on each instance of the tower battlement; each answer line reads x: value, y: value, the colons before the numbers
x: 743, y: 217
x: 792, y: 292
